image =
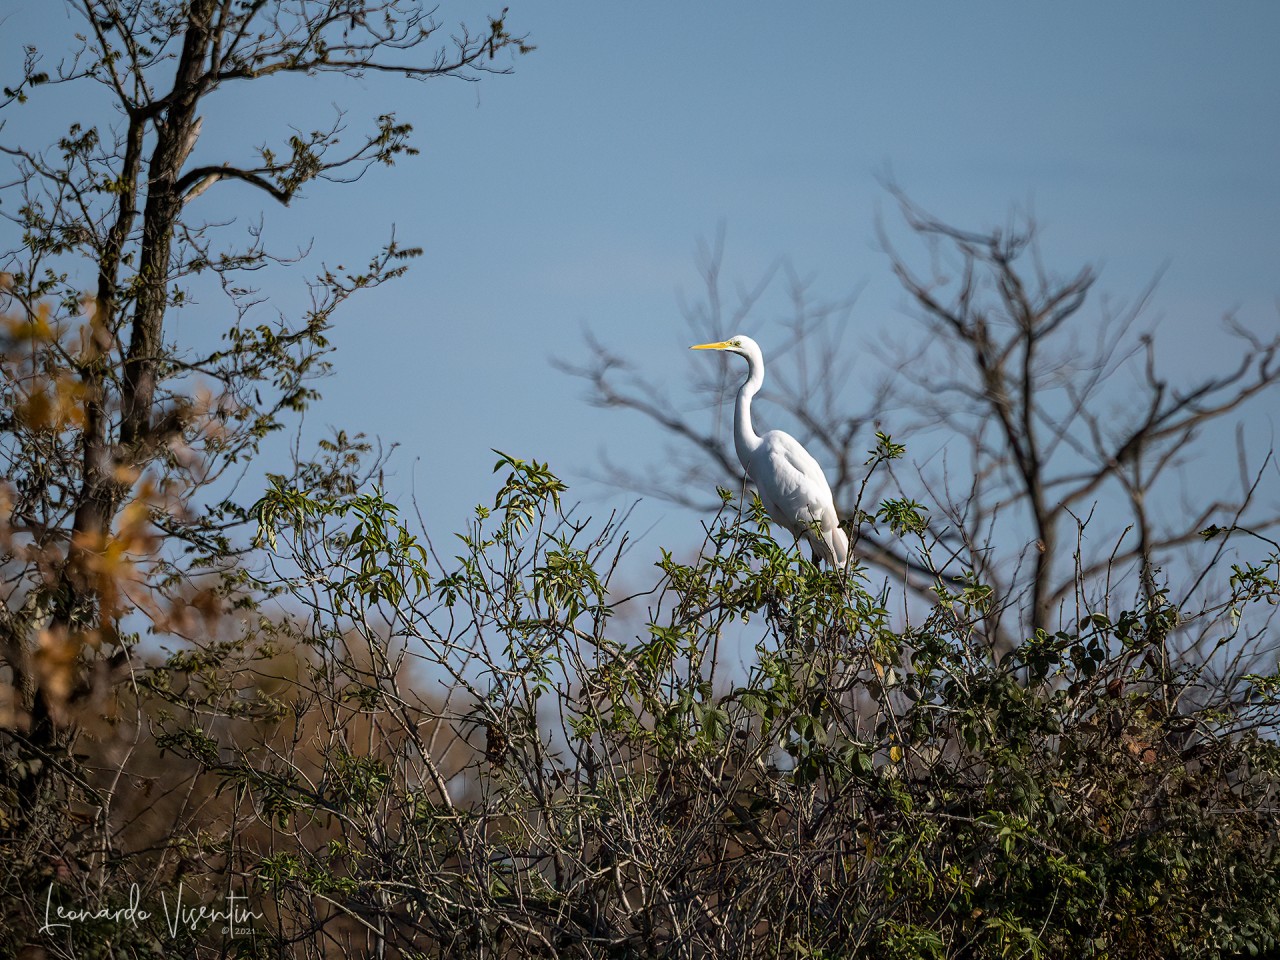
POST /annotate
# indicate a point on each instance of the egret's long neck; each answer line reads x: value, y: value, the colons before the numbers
x: 745, y: 438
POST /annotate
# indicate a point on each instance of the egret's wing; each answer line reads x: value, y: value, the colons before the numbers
x: 792, y: 486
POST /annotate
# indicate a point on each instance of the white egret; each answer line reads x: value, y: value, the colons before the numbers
x: 792, y: 486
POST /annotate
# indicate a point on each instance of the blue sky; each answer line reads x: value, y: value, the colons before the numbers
x: 573, y: 193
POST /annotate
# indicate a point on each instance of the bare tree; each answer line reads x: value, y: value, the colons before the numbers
x: 1053, y: 420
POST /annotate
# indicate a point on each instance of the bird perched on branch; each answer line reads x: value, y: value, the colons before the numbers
x: 792, y: 486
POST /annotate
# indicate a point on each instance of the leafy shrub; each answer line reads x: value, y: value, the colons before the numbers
x: 755, y: 757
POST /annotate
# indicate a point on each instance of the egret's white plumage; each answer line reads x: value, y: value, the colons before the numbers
x: 792, y: 486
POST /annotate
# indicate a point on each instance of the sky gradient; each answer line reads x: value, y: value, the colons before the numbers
x: 573, y: 194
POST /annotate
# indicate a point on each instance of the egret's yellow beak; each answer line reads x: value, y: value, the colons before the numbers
x: 722, y: 345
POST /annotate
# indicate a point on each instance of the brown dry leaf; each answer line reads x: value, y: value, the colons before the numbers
x: 34, y: 328
x: 56, y: 654
x: 209, y: 605
x: 11, y: 716
x: 35, y: 412
x: 6, y: 515
x: 55, y: 405
x: 95, y: 338
x: 112, y: 561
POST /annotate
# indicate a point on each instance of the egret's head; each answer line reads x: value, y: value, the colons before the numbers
x: 742, y: 345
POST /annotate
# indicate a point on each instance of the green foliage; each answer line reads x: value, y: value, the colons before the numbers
x: 763, y: 760
x: 496, y: 753
x: 530, y: 488
x: 903, y: 516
